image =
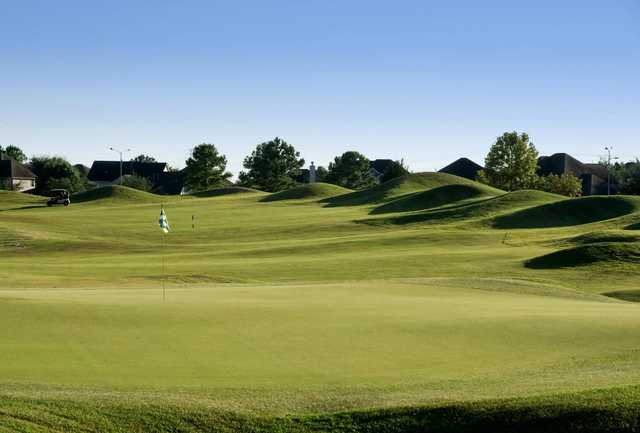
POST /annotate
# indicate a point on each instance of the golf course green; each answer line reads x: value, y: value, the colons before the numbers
x: 428, y: 303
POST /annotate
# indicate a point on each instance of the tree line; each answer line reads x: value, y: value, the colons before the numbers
x: 275, y: 165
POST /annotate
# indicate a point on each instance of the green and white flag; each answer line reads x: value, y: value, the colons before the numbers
x: 164, y: 223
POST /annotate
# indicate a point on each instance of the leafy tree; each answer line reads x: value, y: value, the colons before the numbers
x: 321, y: 174
x: 56, y: 172
x: 272, y: 166
x: 14, y: 152
x: 136, y: 182
x: 143, y: 158
x: 206, y: 168
x: 627, y: 177
x: 511, y: 163
x: 565, y: 184
x: 351, y: 170
x: 396, y: 169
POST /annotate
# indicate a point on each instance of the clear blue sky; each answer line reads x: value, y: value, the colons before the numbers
x: 427, y: 81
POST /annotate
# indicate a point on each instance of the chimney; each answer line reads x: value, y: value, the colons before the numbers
x: 312, y: 173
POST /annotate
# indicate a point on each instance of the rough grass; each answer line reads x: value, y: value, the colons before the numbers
x: 396, y: 187
x: 611, y: 410
x: 225, y: 191
x: 620, y: 253
x: 435, y: 197
x: 570, y: 212
x: 316, y: 190
x: 116, y: 194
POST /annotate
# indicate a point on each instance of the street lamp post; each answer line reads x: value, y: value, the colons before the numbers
x: 609, y: 149
x: 120, y: 152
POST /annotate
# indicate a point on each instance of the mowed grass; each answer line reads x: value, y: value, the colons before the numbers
x: 298, y: 307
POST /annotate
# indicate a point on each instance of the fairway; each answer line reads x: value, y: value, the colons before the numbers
x: 318, y: 301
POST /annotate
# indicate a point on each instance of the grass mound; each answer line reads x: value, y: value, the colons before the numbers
x: 13, y: 199
x: 570, y: 212
x: 611, y: 253
x: 115, y: 193
x: 435, y: 197
x: 224, y: 191
x: 633, y: 227
x: 402, y: 185
x: 481, y: 209
x: 308, y: 191
x: 602, y: 236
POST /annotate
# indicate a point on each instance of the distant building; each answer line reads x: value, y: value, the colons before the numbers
x: 463, y: 167
x: 15, y: 176
x: 592, y: 176
x: 104, y: 173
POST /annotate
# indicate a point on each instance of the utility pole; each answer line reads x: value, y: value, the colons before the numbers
x: 609, y: 149
x: 120, y: 152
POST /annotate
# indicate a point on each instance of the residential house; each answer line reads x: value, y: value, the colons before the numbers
x: 463, y: 167
x: 104, y: 173
x: 379, y: 166
x: 592, y: 176
x: 15, y: 176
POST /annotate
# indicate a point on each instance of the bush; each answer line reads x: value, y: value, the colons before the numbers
x: 565, y: 184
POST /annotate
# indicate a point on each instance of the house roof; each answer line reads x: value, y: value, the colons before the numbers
x: 108, y: 171
x: 463, y: 167
x: 561, y: 163
x: 10, y: 168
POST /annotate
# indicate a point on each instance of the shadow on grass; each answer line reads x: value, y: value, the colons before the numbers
x: 625, y: 295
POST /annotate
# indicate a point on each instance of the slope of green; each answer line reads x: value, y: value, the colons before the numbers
x: 483, y: 208
x: 617, y: 253
x: 409, y: 183
x: 602, y: 236
x: 216, y: 192
x: 116, y: 193
x: 435, y: 197
x: 570, y: 212
x: 316, y: 190
x: 635, y: 226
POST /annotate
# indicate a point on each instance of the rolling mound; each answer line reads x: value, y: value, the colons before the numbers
x: 402, y: 185
x: 435, y: 197
x: 13, y: 199
x: 480, y: 209
x: 115, y: 193
x: 307, y: 191
x: 570, y: 212
x: 224, y: 191
x: 602, y: 236
x: 611, y: 253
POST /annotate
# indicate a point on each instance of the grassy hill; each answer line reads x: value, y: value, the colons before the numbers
x: 216, y: 192
x: 570, y: 212
x: 406, y: 184
x: 316, y: 190
x: 297, y: 317
x: 116, y: 194
x: 13, y: 199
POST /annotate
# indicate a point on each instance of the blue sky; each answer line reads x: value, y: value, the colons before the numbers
x: 427, y: 81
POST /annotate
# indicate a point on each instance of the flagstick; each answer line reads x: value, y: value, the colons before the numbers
x: 164, y: 296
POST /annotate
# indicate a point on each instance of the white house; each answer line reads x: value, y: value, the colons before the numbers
x: 15, y: 176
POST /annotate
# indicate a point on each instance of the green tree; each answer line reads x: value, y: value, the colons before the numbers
x: 627, y: 177
x: 14, y: 152
x: 511, y: 163
x: 395, y: 170
x: 350, y: 170
x: 143, y: 158
x: 565, y: 184
x: 272, y: 166
x: 206, y: 168
x: 56, y: 172
x: 321, y: 174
